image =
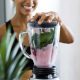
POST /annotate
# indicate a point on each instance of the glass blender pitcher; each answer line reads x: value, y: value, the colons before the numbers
x: 43, y: 42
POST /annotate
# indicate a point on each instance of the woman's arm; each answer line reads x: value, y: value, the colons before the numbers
x: 26, y: 75
x: 65, y: 34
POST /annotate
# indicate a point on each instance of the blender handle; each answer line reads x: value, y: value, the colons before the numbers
x: 20, y: 43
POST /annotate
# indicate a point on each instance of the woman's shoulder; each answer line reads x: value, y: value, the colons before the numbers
x: 2, y: 30
x: 2, y: 26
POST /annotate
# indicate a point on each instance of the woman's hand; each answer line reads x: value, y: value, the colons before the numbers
x: 65, y: 35
x: 49, y: 17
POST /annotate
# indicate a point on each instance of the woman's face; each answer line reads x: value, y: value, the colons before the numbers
x: 25, y: 7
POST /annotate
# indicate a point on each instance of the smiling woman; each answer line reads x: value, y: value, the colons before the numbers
x: 24, y: 11
x: 11, y: 8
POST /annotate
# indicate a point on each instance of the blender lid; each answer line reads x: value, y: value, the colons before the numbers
x: 43, y: 25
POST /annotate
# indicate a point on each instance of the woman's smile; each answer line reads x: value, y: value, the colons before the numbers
x: 28, y: 9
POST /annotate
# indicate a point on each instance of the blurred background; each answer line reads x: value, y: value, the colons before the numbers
x: 69, y: 54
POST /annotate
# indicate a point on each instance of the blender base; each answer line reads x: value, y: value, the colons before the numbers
x: 44, y: 73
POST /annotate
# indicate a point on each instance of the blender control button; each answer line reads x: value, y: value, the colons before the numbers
x: 50, y: 76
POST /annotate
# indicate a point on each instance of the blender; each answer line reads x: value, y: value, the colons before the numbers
x: 43, y: 42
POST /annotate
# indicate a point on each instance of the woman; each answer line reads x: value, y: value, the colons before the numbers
x: 24, y: 9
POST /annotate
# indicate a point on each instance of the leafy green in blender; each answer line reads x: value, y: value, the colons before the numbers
x: 42, y: 39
